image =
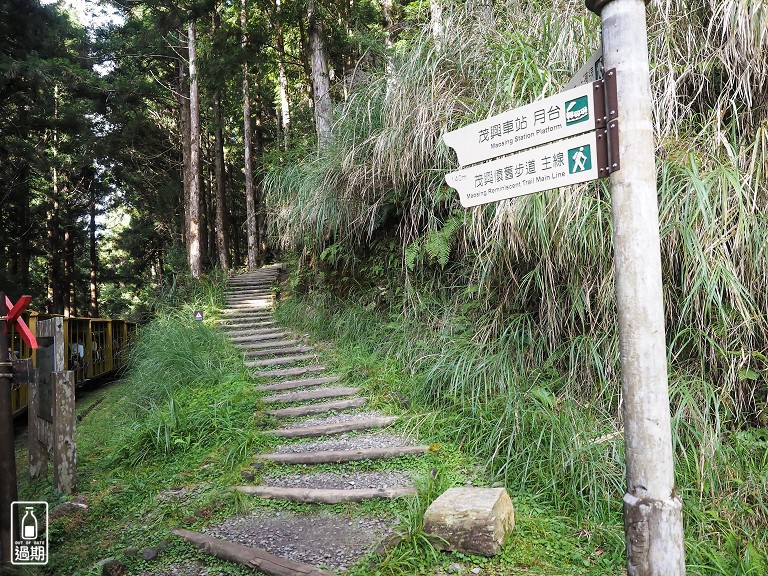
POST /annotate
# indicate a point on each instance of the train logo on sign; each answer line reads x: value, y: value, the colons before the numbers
x: 576, y: 111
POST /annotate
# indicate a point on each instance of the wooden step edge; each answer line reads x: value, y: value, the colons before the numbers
x: 312, y: 395
x: 258, y: 344
x: 293, y: 384
x: 254, y: 558
x: 255, y: 335
x: 335, y: 428
x: 319, y: 408
x: 237, y: 298
x: 325, y: 495
x: 339, y: 456
x: 252, y: 325
x: 280, y: 361
x: 276, y: 351
x: 297, y: 371
x: 249, y: 313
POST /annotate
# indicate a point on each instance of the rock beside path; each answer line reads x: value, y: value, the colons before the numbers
x: 470, y: 520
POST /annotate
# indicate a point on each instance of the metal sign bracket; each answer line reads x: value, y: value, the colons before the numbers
x: 608, y: 149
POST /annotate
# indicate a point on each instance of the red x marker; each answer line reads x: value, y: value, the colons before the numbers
x: 14, y: 316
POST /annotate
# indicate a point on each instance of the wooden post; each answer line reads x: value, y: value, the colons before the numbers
x: 8, y: 490
x: 64, y: 453
x: 51, y: 411
x: 652, y: 511
x: 38, y: 453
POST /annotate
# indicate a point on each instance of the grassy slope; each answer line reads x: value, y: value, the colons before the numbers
x: 184, y: 419
x: 547, y: 446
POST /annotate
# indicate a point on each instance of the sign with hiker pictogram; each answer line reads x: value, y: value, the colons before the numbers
x: 563, y: 163
x: 566, y: 139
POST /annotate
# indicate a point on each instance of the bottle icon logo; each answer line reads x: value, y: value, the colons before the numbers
x: 29, y: 524
x: 29, y: 533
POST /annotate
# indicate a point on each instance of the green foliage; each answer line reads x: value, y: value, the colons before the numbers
x: 189, y: 383
x: 552, y: 435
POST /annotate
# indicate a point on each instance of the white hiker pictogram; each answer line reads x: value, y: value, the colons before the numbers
x: 579, y: 158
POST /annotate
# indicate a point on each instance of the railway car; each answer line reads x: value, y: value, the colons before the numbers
x: 93, y: 347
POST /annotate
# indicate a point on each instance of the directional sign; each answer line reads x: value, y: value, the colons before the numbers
x: 560, y: 116
x: 591, y: 70
x: 571, y: 161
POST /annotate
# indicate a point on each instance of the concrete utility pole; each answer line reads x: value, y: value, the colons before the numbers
x: 7, y: 453
x: 653, y: 518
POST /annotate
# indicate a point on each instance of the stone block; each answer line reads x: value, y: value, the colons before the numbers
x: 470, y: 520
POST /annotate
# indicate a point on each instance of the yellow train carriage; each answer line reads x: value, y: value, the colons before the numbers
x: 93, y: 347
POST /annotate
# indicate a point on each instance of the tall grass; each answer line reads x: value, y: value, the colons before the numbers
x: 508, y: 310
x: 189, y: 388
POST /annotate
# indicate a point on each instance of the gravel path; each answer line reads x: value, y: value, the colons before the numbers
x: 322, y: 539
x: 342, y: 481
x: 348, y: 442
x: 334, y: 419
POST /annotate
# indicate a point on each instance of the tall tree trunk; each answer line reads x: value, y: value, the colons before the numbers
x: 235, y: 229
x: 285, y: 106
x: 55, y: 263
x: 321, y: 85
x: 70, y: 308
x: 250, y: 203
x: 194, y: 242
x: 258, y: 148
x: 25, y: 239
x: 56, y: 304
x: 184, y: 123
x: 92, y: 256
x: 436, y: 22
x: 387, y: 11
x: 222, y: 225
x: 305, y: 62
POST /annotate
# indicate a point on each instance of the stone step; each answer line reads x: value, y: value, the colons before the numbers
x: 325, y: 495
x: 245, y: 317
x: 248, y: 304
x: 277, y: 350
x: 248, y: 312
x: 252, y: 283
x: 260, y: 344
x: 246, y: 289
x: 341, y: 456
x: 313, y: 394
x: 260, y: 302
x: 280, y: 360
x: 297, y: 371
x: 262, y: 278
x: 319, y: 408
x: 256, y: 335
x: 242, y: 324
x: 305, y: 383
x: 335, y: 428
x: 247, y: 295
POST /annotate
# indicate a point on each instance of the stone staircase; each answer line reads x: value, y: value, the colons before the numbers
x: 322, y: 421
